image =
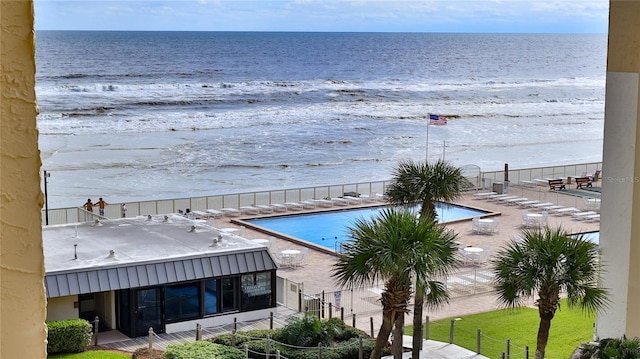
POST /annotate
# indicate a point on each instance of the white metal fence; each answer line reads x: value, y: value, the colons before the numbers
x: 482, y: 180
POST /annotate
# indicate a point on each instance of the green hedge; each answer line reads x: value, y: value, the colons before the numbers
x: 68, y: 336
x: 201, y: 350
x: 343, y: 341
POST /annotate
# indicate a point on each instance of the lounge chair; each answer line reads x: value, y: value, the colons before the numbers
x: 484, y: 195
x: 277, y: 207
x: 293, y: 206
x: 308, y: 204
x: 214, y: 213
x: 528, y: 203
x: 324, y: 203
x: 583, y: 215
x: 340, y: 201
x: 264, y: 208
x: 249, y: 210
x: 230, y: 212
x: 566, y: 211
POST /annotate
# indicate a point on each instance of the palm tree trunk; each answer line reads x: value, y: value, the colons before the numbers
x: 398, y: 334
x: 543, y: 335
x: 383, y: 334
x: 417, y: 323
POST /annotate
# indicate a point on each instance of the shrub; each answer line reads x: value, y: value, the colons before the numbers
x: 201, y: 350
x: 308, y: 331
x: 68, y: 336
x: 607, y: 348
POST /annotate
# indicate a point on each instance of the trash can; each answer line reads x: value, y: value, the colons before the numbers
x: 498, y: 187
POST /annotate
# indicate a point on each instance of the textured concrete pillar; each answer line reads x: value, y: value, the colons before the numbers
x: 620, y: 225
x: 22, y: 296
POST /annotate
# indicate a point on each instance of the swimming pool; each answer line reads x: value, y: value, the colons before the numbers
x: 329, y: 229
x: 591, y: 236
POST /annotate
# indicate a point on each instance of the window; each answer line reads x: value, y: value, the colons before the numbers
x: 229, y: 294
x: 210, y: 296
x: 256, y: 291
x: 182, y: 301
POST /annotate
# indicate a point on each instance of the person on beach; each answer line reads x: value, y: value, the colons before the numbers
x: 88, y: 206
x: 101, y: 204
x: 123, y: 210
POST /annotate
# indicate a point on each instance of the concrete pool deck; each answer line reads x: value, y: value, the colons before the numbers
x: 316, y: 274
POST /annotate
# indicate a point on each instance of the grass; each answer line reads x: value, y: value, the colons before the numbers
x: 91, y: 354
x: 569, y: 328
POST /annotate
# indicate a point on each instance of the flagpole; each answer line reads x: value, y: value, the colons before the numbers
x: 427, y: 150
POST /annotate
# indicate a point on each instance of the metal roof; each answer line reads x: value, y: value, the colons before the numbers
x: 150, y: 274
x: 143, y: 251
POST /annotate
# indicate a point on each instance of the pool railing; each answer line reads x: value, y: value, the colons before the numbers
x: 477, y: 179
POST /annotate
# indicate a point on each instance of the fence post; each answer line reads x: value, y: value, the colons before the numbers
x: 321, y: 314
x: 342, y: 313
x: 526, y: 352
x: 371, y: 325
x: 360, y: 349
x: 478, y: 335
x: 277, y: 353
x: 246, y: 351
x: 96, y: 326
x: 300, y: 300
x: 198, y: 332
x: 150, y: 338
x: 267, y: 347
x: 271, y: 320
x: 330, y: 310
x: 354, y: 320
x: 426, y: 328
x: 319, y: 350
x: 508, y: 348
x: 451, y: 331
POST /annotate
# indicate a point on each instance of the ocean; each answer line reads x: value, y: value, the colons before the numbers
x: 133, y: 116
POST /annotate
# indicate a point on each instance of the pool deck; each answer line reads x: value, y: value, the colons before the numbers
x: 316, y: 273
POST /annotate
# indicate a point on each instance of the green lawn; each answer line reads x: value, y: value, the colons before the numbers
x: 92, y: 354
x: 569, y: 328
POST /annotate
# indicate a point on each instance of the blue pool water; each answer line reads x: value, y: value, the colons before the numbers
x: 329, y: 229
x: 592, y: 236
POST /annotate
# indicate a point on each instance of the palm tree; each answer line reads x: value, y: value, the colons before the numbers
x: 395, y: 247
x: 425, y: 183
x: 546, y: 263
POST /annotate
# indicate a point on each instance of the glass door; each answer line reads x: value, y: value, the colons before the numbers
x: 148, y: 311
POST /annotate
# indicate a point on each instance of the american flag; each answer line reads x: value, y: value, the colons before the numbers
x: 437, y: 120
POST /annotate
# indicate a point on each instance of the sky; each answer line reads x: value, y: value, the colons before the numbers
x: 481, y: 16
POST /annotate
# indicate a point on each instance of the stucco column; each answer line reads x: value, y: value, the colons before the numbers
x: 22, y: 296
x: 620, y: 225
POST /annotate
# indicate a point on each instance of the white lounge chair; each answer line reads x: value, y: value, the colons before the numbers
x: 541, y: 205
x: 566, y: 211
x: 214, y: 213
x: 264, y: 208
x: 583, y: 215
x: 324, y: 203
x: 293, y: 206
x: 515, y: 201
x: 230, y: 212
x: 277, y: 207
x: 308, y: 204
x: 592, y: 217
x: 339, y: 201
x: 528, y: 203
x: 249, y: 210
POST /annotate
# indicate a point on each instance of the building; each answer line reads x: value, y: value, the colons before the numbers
x: 165, y: 272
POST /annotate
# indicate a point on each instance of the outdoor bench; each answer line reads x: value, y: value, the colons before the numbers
x: 582, y: 182
x: 556, y: 184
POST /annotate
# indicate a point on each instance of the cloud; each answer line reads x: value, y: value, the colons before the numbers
x: 325, y: 15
